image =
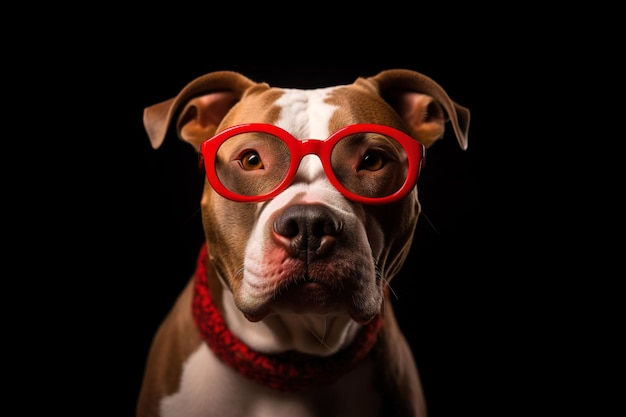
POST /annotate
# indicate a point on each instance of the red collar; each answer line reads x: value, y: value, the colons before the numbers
x: 290, y: 371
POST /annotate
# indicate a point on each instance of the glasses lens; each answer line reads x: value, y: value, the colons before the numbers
x: 252, y: 163
x: 370, y: 164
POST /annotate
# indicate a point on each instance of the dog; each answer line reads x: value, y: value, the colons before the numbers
x: 309, y: 209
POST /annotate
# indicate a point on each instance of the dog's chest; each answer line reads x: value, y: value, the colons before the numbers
x: 208, y: 387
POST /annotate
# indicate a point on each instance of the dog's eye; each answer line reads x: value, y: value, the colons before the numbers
x: 250, y: 161
x: 372, y: 161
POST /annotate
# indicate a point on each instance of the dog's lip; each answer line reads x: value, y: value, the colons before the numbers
x: 303, y: 296
x: 255, y: 317
x: 296, y: 295
x: 309, y: 297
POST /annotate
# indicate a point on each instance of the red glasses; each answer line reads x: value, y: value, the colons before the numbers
x: 367, y: 163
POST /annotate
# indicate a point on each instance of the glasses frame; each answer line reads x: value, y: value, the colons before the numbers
x: 299, y: 148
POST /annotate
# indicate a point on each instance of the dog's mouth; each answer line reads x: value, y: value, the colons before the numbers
x: 310, y: 296
x: 307, y: 296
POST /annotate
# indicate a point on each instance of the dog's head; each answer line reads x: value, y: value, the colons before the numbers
x: 326, y: 237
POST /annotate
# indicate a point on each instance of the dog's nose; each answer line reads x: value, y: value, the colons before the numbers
x: 307, y: 231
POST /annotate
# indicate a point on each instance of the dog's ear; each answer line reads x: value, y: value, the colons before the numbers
x: 200, y: 117
x: 204, y: 102
x: 423, y: 104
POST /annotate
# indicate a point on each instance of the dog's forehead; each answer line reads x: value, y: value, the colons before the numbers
x: 306, y: 114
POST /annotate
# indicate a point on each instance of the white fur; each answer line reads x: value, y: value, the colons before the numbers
x: 304, y: 113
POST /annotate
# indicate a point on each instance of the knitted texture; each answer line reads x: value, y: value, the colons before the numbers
x: 289, y: 371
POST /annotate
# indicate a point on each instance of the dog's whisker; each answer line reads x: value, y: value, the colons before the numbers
x: 393, y: 293
x: 195, y: 213
x: 239, y: 272
x: 319, y: 338
x: 422, y: 214
x: 386, y: 281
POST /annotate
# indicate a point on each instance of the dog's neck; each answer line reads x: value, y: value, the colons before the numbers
x: 287, y: 371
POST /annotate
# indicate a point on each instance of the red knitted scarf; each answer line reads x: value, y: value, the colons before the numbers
x: 289, y: 371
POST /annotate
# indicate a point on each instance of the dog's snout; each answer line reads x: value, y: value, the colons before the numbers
x: 307, y: 231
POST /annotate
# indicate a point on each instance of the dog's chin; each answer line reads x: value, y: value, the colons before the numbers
x: 311, y: 298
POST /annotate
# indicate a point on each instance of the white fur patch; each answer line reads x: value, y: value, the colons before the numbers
x: 199, y: 388
x: 304, y: 113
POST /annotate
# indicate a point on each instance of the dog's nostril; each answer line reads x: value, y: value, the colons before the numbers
x: 307, y: 229
x: 287, y: 227
x: 326, y: 244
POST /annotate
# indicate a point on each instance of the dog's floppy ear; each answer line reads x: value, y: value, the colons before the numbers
x: 204, y: 102
x: 423, y: 104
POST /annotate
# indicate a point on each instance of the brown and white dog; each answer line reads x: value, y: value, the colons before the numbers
x: 288, y: 313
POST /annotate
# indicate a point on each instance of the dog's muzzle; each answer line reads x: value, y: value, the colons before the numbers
x: 318, y: 260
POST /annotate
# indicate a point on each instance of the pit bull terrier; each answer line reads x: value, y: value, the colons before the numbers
x: 309, y: 209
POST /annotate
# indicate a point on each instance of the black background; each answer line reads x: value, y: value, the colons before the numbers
x: 499, y: 303
x: 451, y: 299
x: 101, y: 231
